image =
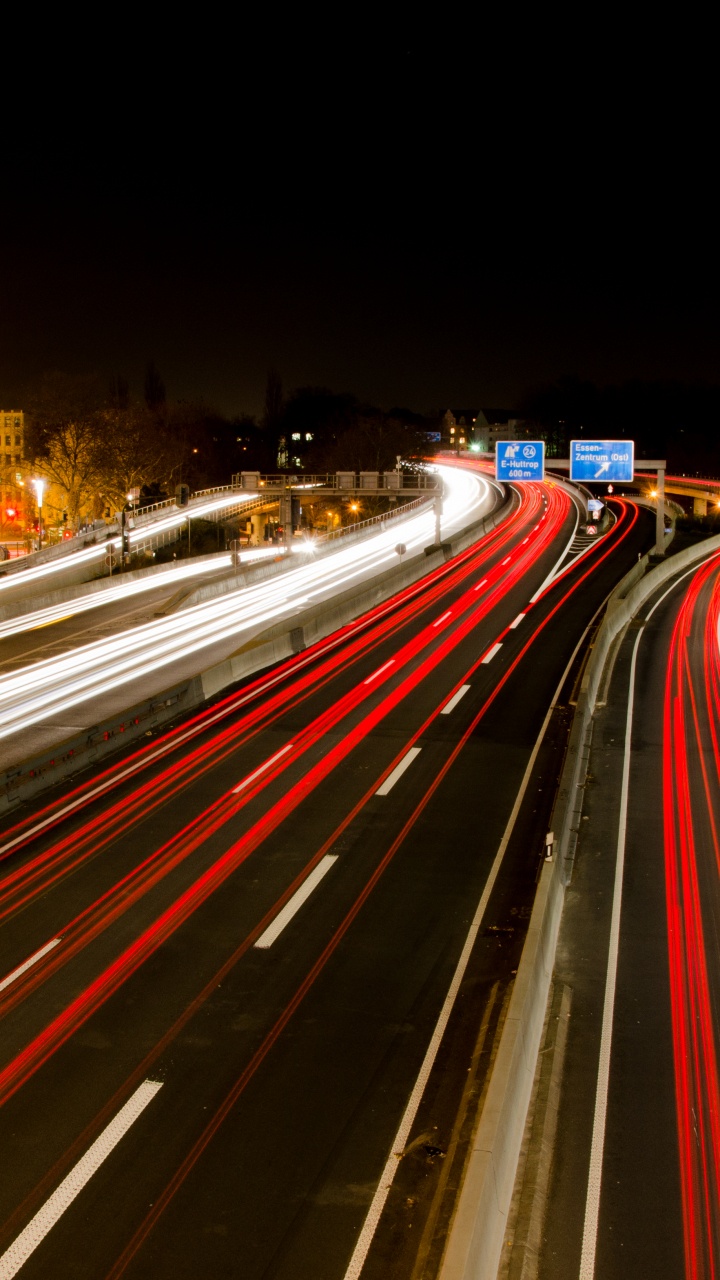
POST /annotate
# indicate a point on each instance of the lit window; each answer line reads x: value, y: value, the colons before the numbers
x: 297, y: 435
x: 308, y: 435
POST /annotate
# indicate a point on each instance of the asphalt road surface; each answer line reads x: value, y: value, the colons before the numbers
x: 634, y: 1189
x: 225, y: 956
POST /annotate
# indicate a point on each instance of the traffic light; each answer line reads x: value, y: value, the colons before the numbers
x: 182, y: 495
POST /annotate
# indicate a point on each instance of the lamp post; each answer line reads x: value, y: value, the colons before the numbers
x: 39, y: 486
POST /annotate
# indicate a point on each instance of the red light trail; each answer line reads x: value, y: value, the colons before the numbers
x: 691, y: 705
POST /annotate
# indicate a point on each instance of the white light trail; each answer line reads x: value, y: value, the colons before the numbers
x: 31, y: 694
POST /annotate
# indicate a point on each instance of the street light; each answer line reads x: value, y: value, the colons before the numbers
x: 39, y: 486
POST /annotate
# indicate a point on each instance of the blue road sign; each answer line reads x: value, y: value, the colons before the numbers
x: 520, y: 460
x: 602, y: 460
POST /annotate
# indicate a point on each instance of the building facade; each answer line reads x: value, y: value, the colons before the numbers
x: 13, y: 515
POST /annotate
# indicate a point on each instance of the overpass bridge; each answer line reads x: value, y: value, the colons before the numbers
x: 702, y: 492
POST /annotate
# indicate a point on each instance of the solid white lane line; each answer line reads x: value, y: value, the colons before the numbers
x: 362, y: 1248
x: 491, y: 652
x: 442, y: 619
x: 53, y: 1209
x: 252, y: 776
x: 398, y: 771
x: 379, y: 672
x: 22, y: 968
x: 284, y: 917
x: 480, y: 584
x: 517, y: 621
x: 592, y: 1202
x: 451, y: 705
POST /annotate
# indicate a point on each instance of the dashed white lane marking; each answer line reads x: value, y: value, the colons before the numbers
x: 397, y: 1150
x: 379, y: 672
x: 505, y: 561
x: 517, y: 621
x: 442, y: 619
x: 491, y: 652
x: 398, y: 771
x: 480, y: 584
x: 252, y: 776
x: 33, y: 959
x: 522, y: 544
x: 451, y: 705
x: 53, y: 1209
x: 284, y: 917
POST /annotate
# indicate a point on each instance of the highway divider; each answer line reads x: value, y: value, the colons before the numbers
x: 32, y: 775
x: 477, y: 1235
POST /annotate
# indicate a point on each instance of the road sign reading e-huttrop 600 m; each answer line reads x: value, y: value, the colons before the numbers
x: 602, y: 460
x: 520, y: 460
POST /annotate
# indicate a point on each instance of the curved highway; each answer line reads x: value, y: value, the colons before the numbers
x: 244, y: 959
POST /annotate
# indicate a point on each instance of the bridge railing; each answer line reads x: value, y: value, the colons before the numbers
x: 341, y: 481
x: 385, y: 518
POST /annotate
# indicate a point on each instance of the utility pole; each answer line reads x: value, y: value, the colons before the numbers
x: 124, y: 540
x: 660, y: 514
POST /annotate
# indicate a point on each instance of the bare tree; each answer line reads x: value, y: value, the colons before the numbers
x: 66, y: 440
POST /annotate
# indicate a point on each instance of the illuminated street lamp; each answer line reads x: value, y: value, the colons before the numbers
x: 39, y: 486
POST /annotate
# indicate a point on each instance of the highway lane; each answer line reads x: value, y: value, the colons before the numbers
x: 178, y: 646
x: 387, y: 862
x: 635, y: 1189
x: 121, y: 602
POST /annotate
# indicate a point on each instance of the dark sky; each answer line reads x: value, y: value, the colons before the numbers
x: 385, y: 215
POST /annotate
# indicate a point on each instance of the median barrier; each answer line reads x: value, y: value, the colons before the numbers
x: 477, y: 1233
x: 88, y: 746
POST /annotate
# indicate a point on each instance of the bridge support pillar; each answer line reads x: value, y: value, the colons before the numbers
x: 699, y: 506
x: 660, y: 514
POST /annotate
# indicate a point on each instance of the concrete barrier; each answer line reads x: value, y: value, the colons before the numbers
x: 477, y: 1235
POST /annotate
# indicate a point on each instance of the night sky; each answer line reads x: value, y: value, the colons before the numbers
x: 385, y: 215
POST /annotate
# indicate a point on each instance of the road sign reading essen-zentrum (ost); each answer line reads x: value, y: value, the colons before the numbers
x: 602, y: 460
x: 520, y: 460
